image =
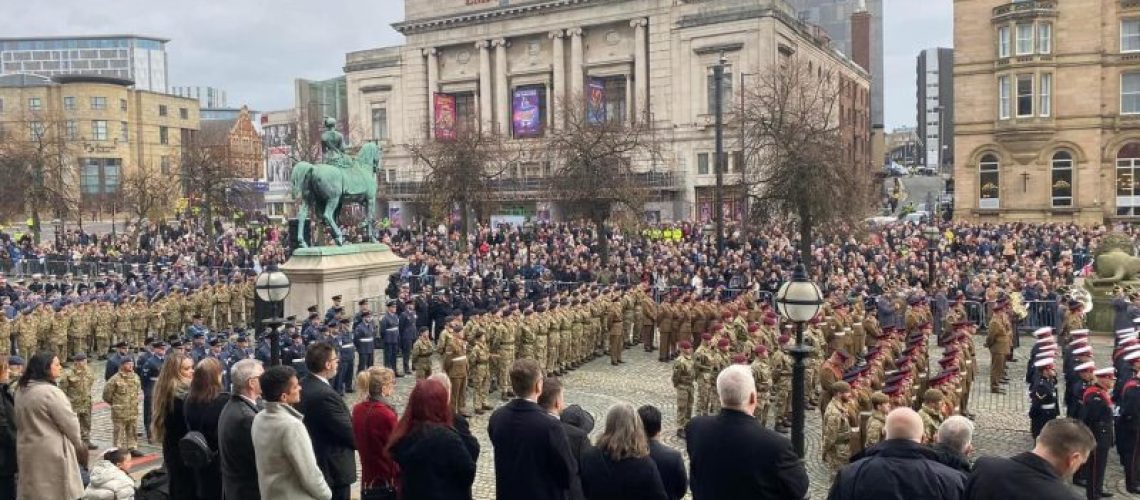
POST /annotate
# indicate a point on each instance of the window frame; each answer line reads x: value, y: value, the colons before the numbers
x: 1044, y: 43
x: 95, y: 129
x: 383, y: 111
x: 989, y: 165
x: 1061, y: 165
x: 1030, y: 41
x: 1135, y: 93
x: 1127, y: 201
x: 1004, y: 48
x: 98, y: 103
x: 35, y: 104
x: 1135, y: 37
x: 164, y: 136
x: 1045, y: 95
x: 1004, y: 94
x: 1031, y: 95
x: 707, y: 169
x: 69, y: 103
x: 726, y: 92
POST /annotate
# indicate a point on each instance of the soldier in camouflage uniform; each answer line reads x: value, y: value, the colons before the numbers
x: 722, y: 360
x: 122, y: 393
x: 76, y: 383
x: 541, y: 326
x: 837, y: 428
x: 762, y: 374
x: 684, y: 373
x: 876, y: 425
x: 704, y: 366
x: 59, y: 323
x: 25, y: 329
x: 104, y: 319
x: 6, y: 341
x: 79, y: 329
x: 421, y: 354
x: 782, y: 382
x: 508, y: 340
x: 479, y: 355
x: 931, y: 413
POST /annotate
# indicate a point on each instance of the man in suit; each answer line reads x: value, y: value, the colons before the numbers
x: 1063, y: 445
x: 732, y: 456
x: 327, y: 420
x: 576, y: 424
x: 669, y: 462
x: 532, y: 455
x: 235, y: 441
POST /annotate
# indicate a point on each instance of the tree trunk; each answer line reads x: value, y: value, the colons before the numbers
x: 35, y: 224
x: 464, y: 224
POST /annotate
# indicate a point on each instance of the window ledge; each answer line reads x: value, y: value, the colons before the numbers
x: 986, y: 211
x: 1063, y: 210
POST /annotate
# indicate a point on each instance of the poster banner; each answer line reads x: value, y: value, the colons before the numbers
x: 444, y: 105
x: 526, y: 116
x: 278, y: 167
x: 596, y: 101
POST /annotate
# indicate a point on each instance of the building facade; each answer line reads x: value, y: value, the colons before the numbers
x: 108, y: 127
x: 131, y: 57
x: 238, y: 142
x: 1047, y: 110
x: 935, y: 113
x: 479, y: 60
x: 835, y: 16
x: 208, y: 97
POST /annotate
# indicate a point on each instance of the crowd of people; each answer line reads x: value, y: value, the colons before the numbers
x: 512, y: 308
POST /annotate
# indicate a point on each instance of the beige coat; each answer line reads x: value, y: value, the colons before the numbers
x: 47, y: 438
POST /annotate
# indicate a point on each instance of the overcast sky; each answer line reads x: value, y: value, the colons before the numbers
x: 253, y: 49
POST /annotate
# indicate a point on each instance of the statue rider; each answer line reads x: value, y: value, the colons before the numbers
x: 333, y: 145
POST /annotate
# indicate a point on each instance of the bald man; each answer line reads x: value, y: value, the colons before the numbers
x: 898, y: 467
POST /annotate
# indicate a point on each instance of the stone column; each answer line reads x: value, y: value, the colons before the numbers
x: 432, y: 85
x: 559, y: 80
x: 640, y: 69
x: 484, y: 86
x: 577, y: 95
x: 502, y: 94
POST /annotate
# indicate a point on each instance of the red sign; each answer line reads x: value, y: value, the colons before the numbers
x: 444, y: 105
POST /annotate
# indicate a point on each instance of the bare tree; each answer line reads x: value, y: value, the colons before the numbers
x: 148, y: 193
x: 460, y: 172
x: 797, y: 164
x: 600, y: 165
x: 205, y: 178
x: 40, y: 166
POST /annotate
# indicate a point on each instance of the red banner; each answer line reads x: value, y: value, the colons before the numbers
x: 444, y: 113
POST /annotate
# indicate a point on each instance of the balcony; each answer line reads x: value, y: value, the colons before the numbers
x: 532, y: 188
x: 1029, y: 9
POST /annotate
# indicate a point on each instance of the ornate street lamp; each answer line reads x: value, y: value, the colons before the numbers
x: 798, y: 301
x: 272, y: 286
x: 932, y: 236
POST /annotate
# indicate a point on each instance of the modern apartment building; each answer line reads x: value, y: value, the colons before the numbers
x: 140, y: 59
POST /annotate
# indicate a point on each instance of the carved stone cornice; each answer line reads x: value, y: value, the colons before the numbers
x: 497, y: 13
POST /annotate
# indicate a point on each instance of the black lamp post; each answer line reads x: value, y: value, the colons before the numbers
x: 718, y: 163
x: 799, y: 301
x: 932, y: 236
x: 272, y: 286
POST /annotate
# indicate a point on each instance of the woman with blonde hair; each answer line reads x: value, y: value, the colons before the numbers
x: 373, y: 420
x: 618, y: 467
x: 168, y: 422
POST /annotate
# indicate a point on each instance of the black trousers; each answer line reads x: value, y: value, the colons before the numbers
x: 8, y: 487
x: 1094, y: 472
x: 365, y: 362
x: 1126, y: 447
x: 148, y: 394
x: 1037, y: 422
x: 341, y: 492
x: 390, y: 352
x: 406, y: 353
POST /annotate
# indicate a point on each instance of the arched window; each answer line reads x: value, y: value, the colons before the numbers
x: 989, y: 183
x: 1061, y: 182
x: 1128, y: 180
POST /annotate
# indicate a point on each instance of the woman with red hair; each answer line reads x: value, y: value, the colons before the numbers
x: 434, y: 463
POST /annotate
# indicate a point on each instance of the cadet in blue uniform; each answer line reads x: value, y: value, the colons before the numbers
x: 294, y: 355
x: 408, y: 334
x: 197, y: 327
x: 1043, y: 396
x: 115, y: 359
x: 347, y: 352
x: 390, y: 333
x: 150, y: 364
x: 331, y: 313
x: 1128, y: 425
x: 365, y: 339
x: 1097, y: 414
x: 198, y: 348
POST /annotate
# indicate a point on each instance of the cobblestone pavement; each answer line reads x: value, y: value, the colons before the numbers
x: 1002, y: 424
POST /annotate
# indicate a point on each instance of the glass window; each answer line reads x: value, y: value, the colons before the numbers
x: 1128, y: 180
x: 98, y: 103
x: 163, y: 135
x: 1044, y: 38
x: 161, y: 110
x: 989, y: 183
x: 379, y: 123
x: 1044, y: 91
x: 702, y: 164
x: 122, y: 104
x: 1130, y: 93
x: 34, y: 104
x: 1130, y: 35
x: 164, y: 165
x: 89, y: 178
x: 1024, y: 39
x: 1003, y: 97
x: 1062, y: 179
x: 184, y: 113
x: 71, y: 130
x: 111, y: 173
x: 726, y: 90
x: 99, y: 130
x: 69, y: 103
x: 535, y: 124
x: 35, y: 131
x: 1024, y: 95
x: 124, y: 132
x: 466, y: 112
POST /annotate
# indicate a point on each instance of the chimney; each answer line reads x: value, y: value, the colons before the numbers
x: 861, y: 37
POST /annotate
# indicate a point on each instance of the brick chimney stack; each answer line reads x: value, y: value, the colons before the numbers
x: 861, y: 36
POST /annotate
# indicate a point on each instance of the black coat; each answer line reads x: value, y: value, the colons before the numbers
x: 732, y: 456
x: 579, y: 441
x: 330, y: 428
x: 671, y: 467
x: 459, y: 422
x: 434, y: 464
x: 898, y: 469
x: 1021, y: 477
x: 205, y: 418
x: 235, y: 449
x: 182, y: 483
x: 532, y: 454
x: 7, y: 433
x: 629, y: 479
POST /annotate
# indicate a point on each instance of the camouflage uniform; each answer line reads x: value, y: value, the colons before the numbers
x: 122, y: 393
x: 421, y: 357
x: 507, y: 341
x: 762, y: 373
x: 104, y: 317
x: 836, y: 436
x: 704, y: 366
x: 455, y: 365
x: 480, y: 357
x: 25, y: 329
x: 684, y: 373
x: 5, y: 334
x: 76, y: 383
x: 931, y: 420
x: 782, y: 382
x: 528, y: 341
x: 541, y: 328
x: 876, y: 429
x: 60, y: 326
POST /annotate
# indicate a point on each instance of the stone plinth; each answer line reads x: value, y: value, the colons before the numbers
x: 352, y: 271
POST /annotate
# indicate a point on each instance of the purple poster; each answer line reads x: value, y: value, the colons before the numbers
x: 596, y: 101
x: 526, y: 114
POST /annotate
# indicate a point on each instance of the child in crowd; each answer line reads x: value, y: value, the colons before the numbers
x: 109, y: 477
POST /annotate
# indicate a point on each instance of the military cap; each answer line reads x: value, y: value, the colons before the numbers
x: 336, y: 298
x: 242, y: 338
x: 177, y: 343
x: 760, y: 350
x: 1105, y: 373
x: 1043, y: 332
x: 891, y: 390
x: 784, y: 339
x: 122, y: 345
x: 199, y: 335
x: 1086, y: 366
x: 291, y: 318
x: 158, y: 344
x: 79, y: 356
x: 1048, y: 363
x: 312, y: 308
x: 1125, y: 331
x: 1132, y: 356
x: 1080, y: 332
x: 295, y: 336
x: 196, y: 316
x: 739, y: 359
x: 15, y: 361
x: 1083, y: 350
x: 364, y: 302
x: 723, y: 343
x: 685, y: 344
x: 706, y: 336
x: 216, y: 342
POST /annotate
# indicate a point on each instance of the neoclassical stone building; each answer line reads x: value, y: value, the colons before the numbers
x: 479, y: 59
x: 1047, y: 110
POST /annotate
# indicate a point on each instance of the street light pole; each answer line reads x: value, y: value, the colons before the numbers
x: 799, y: 352
x: 941, y: 139
x: 799, y: 300
x: 718, y: 164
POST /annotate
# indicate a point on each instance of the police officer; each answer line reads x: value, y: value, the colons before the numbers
x: 365, y: 339
x: 1097, y: 414
x: 1043, y: 396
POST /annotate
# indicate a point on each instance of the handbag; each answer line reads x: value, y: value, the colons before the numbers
x: 378, y: 492
x: 193, y: 448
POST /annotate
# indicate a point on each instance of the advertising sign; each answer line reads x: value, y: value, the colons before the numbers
x: 526, y: 115
x: 444, y: 117
x: 596, y: 101
x: 278, y: 167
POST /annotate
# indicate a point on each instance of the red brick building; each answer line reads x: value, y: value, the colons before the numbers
x: 239, y: 142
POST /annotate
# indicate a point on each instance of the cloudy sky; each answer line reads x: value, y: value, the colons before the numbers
x: 253, y: 49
